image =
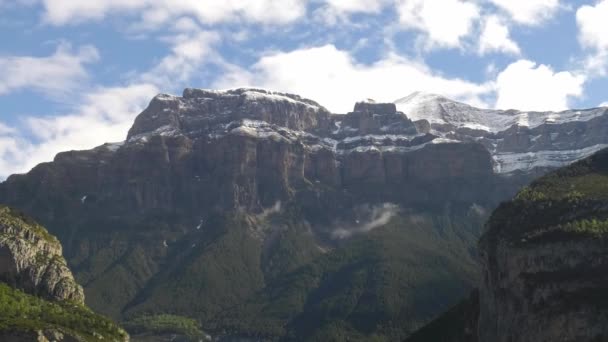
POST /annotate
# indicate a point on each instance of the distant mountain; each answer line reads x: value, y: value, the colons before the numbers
x: 39, y: 298
x: 262, y: 215
x: 518, y: 141
x: 543, y: 265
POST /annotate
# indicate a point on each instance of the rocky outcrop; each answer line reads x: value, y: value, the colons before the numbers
x: 374, y: 118
x: 40, y: 299
x: 544, y: 260
x: 31, y: 260
x: 201, y: 111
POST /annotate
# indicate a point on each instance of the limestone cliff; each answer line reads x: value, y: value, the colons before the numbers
x: 31, y: 259
x: 39, y: 298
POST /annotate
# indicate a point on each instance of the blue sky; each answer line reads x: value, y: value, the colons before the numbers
x: 75, y: 73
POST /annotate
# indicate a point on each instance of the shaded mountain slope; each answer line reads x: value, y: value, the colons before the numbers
x: 544, y: 257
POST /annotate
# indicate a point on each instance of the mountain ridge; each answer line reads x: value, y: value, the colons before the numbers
x: 247, y: 204
x: 224, y: 210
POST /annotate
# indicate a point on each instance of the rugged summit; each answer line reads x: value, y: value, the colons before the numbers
x: 168, y: 114
x: 518, y: 141
x: 261, y: 214
x: 31, y: 259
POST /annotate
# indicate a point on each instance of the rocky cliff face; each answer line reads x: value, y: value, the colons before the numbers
x: 250, y: 149
x: 39, y: 297
x: 544, y: 259
x: 217, y: 201
x: 31, y: 259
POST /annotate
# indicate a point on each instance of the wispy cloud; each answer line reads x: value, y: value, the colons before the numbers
x: 529, y: 12
x: 157, y: 12
x: 373, y: 217
x: 104, y: 115
x: 52, y: 75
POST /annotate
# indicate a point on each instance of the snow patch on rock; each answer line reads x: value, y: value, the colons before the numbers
x: 510, y: 162
x: 442, y: 111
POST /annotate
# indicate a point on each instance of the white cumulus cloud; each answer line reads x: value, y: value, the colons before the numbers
x: 529, y: 12
x: 526, y: 85
x: 593, y: 34
x: 592, y: 24
x: 444, y: 22
x: 334, y: 79
x: 495, y: 37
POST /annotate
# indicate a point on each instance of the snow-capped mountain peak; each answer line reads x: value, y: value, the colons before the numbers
x: 448, y: 114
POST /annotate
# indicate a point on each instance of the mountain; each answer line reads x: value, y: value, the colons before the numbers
x: 39, y: 298
x: 543, y: 261
x: 518, y: 141
x: 262, y: 215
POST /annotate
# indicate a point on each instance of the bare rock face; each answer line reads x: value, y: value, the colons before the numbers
x: 31, y: 260
x: 376, y: 118
x: 248, y: 149
x: 201, y: 111
x: 544, y: 260
x: 132, y: 215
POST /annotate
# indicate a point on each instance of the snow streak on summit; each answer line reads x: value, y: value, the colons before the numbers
x: 518, y: 141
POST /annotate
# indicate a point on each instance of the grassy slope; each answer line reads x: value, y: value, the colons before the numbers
x: 23, y: 312
x: 568, y: 203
